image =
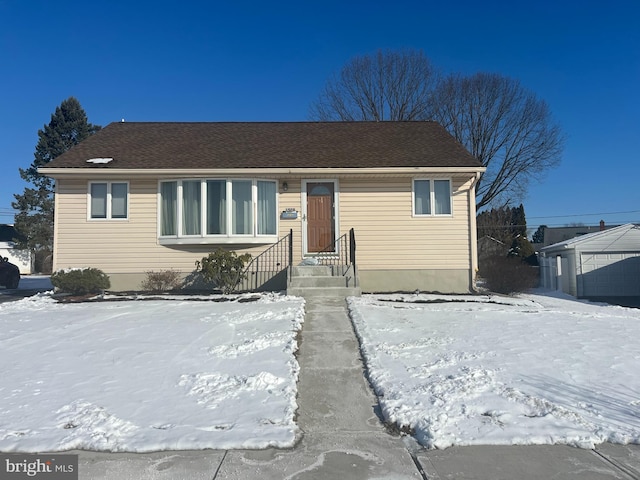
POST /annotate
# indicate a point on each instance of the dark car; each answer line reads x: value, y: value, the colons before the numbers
x: 9, y: 274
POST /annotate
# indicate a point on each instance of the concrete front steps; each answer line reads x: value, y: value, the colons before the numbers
x: 321, y: 281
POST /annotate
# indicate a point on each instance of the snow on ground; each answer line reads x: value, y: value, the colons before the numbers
x: 493, y: 370
x: 185, y: 373
x: 141, y: 376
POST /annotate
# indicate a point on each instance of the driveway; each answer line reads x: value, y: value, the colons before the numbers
x: 633, y: 302
x: 29, y: 285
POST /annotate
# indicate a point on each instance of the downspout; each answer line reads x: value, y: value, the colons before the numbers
x: 473, y: 232
x: 56, y: 231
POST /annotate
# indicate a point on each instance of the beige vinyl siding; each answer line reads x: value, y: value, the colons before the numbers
x: 120, y: 246
x: 291, y: 199
x: 388, y: 236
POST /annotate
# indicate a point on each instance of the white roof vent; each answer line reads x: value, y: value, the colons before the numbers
x: 99, y: 160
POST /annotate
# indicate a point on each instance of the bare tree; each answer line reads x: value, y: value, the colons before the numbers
x: 389, y: 85
x: 504, y: 126
x: 500, y: 122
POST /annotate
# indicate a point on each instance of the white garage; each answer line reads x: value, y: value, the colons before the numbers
x: 600, y: 264
x: 21, y: 258
x: 610, y: 274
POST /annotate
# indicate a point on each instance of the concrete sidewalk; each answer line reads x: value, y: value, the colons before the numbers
x: 343, y: 436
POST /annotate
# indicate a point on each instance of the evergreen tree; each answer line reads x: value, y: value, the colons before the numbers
x: 521, y: 246
x: 496, y: 223
x: 518, y: 221
x: 509, y: 226
x: 34, y: 220
x: 538, y: 236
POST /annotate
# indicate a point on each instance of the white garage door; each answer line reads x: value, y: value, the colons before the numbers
x: 610, y: 274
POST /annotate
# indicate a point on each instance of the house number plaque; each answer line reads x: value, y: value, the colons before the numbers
x: 289, y: 214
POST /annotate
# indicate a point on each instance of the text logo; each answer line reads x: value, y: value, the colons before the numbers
x: 31, y: 466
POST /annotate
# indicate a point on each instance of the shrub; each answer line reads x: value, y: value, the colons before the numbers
x: 80, y: 281
x: 161, y: 281
x: 508, y: 274
x: 224, y: 268
x: 521, y: 247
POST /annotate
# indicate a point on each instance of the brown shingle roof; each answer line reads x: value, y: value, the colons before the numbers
x: 272, y: 145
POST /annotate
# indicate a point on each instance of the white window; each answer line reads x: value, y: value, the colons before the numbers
x: 218, y: 209
x: 108, y: 200
x: 191, y: 207
x: 241, y: 217
x: 267, y: 213
x: 431, y: 197
x: 169, y: 208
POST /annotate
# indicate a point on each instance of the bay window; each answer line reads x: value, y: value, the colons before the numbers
x: 217, y: 210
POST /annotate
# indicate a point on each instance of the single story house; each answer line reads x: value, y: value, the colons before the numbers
x: 20, y: 258
x: 595, y: 265
x: 139, y: 197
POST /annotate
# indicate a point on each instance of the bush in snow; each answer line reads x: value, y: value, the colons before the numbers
x: 508, y: 274
x: 80, y: 281
x: 224, y: 268
x: 161, y: 281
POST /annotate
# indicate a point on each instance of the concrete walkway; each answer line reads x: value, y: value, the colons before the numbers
x: 344, y: 438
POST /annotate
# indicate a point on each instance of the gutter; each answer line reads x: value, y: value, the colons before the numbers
x: 100, y: 171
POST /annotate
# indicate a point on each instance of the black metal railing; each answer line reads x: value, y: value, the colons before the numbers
x: 270, y: 269
x: 340, y: 256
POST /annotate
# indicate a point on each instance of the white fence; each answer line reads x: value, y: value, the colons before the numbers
x: 554, y: 273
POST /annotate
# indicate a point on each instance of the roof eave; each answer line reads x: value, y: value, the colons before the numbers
x: 572, y: 242
x: 167, y: 172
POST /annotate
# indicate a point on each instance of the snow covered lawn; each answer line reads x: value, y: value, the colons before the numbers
x: 528, y: 370
x: 148, y: 375
x: 181, y: 374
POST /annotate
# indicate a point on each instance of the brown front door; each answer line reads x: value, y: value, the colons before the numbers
x: 320, y: 218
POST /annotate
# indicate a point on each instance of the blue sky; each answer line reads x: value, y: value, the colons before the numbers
x: 267, y: 61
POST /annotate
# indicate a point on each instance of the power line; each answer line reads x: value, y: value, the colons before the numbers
x: 509, y: 225
x: 585, y: 214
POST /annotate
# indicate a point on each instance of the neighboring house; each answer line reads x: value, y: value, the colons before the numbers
x: 553, y: 235
x: 137, y: 197
x: 490, y: 247
x: 20, y: 258
x: 601, y: 264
